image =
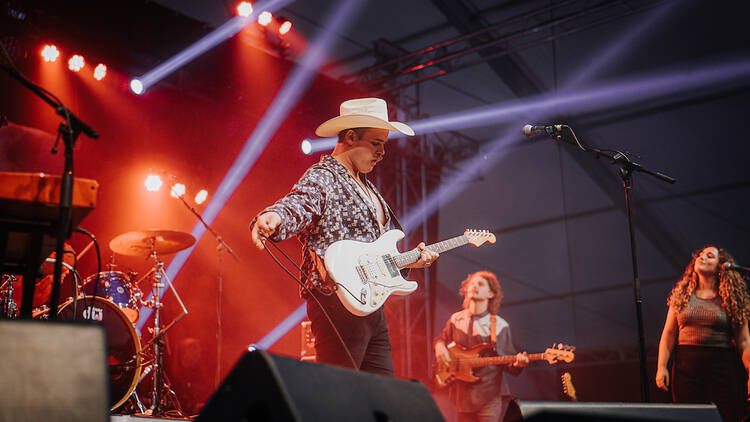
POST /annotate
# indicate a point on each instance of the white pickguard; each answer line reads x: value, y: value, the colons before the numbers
x: 364, y: 279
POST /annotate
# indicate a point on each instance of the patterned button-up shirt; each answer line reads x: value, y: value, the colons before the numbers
x: 324, y: 206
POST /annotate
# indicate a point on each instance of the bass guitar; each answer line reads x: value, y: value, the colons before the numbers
x: 464, y: 360
x: 366, y: 274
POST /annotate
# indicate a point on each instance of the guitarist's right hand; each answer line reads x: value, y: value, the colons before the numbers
x: 441, y: 353
x: 265, y: 225
x: 662, y: 378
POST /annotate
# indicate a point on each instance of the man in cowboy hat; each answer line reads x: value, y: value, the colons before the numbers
x: 334, y: 201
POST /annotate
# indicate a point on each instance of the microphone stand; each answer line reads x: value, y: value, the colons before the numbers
x: 626, y: 170
x: 68, y: 131
x: 221, y: 247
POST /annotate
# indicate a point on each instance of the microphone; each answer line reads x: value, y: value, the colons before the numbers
x: 530, y: 130
x: 729, y: 266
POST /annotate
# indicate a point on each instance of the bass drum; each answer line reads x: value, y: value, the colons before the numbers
x: 123, y: 343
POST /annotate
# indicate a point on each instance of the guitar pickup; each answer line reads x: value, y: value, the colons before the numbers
x: 391, y: 266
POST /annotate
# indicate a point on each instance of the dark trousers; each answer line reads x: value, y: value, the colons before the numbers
x: 710, y: 375
x: 494, y: 411
x: 366, y: 337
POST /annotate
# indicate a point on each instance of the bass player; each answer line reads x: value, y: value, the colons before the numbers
x: 486, y: 399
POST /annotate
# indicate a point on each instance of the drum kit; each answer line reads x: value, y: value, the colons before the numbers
x: 114, y: 298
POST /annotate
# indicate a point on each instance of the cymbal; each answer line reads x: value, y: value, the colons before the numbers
x: 143, y: 243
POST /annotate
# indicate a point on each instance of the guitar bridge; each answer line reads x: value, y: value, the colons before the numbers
x: 362, y: 274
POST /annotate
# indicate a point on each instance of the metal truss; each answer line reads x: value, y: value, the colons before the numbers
x: 492, y: 42
x: 411, y: 171
x: 416, y: 165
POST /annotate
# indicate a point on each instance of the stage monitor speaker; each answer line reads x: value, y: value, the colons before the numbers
x: 53, y: 371
x: 592, y: 411
x: 264, y: 387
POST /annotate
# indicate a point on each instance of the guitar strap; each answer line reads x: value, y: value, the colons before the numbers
x: 393, y: 218
x: 493, y: 327
x: 404, y: 271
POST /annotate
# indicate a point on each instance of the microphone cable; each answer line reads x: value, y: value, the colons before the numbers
x: 98, y: 273
x: 301, y: 283
x: 76, y: 280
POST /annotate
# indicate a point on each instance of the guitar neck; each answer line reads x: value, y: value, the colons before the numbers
x: 495, y: 360
x: 412, y: 256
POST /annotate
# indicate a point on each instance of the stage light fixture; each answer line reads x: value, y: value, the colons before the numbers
x: 201, y: 196
x: 265, y: 18
x: 285, y: 27
x: 306, y: 146
x: 50, y: 53
x: 100, y: 72
x: 76, y: 63
x: 218, y: 35
x: 136, y: 86
x: 310, y: 146
x: 244, y: 9
x: 177, y: 190
x: 153, y: 182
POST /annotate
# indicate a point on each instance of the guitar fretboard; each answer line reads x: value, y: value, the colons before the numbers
x: 408, y: 258
x: 495, y: 360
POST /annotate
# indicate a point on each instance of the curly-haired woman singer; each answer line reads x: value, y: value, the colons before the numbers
x: 707, y: 321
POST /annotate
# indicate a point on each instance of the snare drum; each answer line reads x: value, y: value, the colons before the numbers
x: 116, y: 287
x: 123, y: 343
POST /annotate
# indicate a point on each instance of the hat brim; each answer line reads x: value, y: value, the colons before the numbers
x: 333, y: 126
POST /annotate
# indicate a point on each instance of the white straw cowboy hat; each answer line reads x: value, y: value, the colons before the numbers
x: 361, y: 112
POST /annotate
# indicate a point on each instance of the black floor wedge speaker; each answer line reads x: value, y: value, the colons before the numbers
x: 265, y: 387
x: 611, y: 412
x: 53, y: 372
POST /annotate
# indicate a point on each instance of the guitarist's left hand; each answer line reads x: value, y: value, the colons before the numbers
x: 426, y: 257
x: 522, y: 360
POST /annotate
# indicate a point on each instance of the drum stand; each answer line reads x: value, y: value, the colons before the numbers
x: 161, y: 382
x: 8, y: 308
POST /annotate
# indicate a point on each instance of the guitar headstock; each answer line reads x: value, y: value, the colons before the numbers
x: 478, y: 237
x: 559, y: 352
x: 567, y: 384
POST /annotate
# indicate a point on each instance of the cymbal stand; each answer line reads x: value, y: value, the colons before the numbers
x: 160, y: 380
x: 220, y: 248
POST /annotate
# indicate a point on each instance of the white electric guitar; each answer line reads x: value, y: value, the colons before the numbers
x: 368, y: 273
